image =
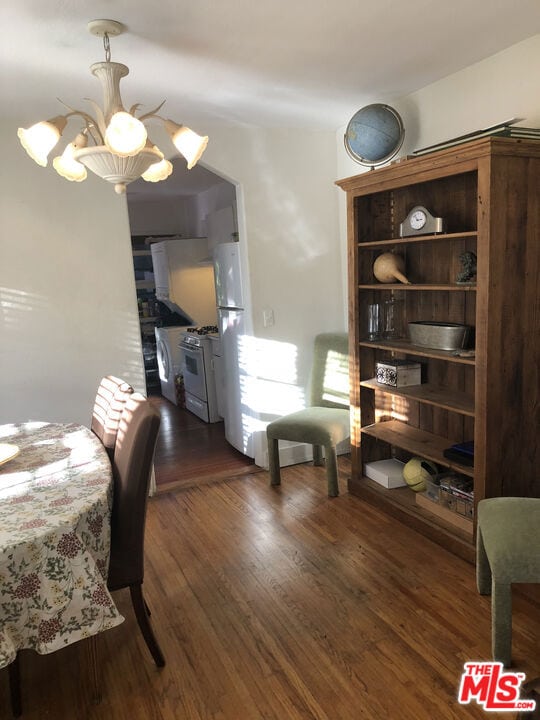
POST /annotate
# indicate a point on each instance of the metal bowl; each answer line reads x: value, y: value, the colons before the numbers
x: 439, y: 335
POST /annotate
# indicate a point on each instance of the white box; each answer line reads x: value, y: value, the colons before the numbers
x: 388, y: 473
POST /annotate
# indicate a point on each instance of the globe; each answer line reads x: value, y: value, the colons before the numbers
x: 374, y: 134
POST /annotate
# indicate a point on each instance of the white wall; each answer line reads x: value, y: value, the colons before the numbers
x: 68, y: 308
x: 288, y: 232
x: 164, y: 216
x: 287, y: 224
x: 496, y: 89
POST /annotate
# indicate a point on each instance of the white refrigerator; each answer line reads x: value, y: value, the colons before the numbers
x: 230, y: 313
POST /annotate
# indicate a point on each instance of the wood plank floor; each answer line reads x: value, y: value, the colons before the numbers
x: 280, y: 603
x: 190, y: 452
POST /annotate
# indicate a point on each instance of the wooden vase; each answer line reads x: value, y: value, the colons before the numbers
x: 389, y: 268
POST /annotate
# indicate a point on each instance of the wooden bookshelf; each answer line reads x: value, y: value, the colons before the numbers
x: 487, y: 192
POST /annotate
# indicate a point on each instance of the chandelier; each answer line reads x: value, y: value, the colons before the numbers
x: 119, y: 150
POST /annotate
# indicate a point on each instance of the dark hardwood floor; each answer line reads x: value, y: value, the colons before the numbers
x: 190, y: 452
x: 278, y: 603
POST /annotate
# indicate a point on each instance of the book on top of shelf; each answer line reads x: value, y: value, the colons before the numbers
x: 504, y: 129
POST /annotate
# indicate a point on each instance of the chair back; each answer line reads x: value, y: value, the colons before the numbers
x: 132, y: 465
x: 330, y: 371
x: 110, y: 399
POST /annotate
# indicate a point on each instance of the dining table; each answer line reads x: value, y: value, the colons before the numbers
x: 56, y: 488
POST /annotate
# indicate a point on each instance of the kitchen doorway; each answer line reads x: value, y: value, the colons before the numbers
x: 189, y: 204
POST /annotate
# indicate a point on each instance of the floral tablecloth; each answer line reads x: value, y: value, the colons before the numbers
x: 55, y: 506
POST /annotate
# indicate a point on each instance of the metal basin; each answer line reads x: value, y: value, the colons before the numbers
x: 438, y: 335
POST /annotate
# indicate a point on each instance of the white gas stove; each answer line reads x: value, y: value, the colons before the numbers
x: 198, y: 372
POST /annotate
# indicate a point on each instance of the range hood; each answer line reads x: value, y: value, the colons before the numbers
x: 172, y: 314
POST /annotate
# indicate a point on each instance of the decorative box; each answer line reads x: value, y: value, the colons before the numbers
x: 388, y: 473
x: 399, y: 373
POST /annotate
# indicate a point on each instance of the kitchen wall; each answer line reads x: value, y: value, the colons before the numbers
x: 168, y: 215
x: 177, y: 214
x: 211, y: 201
x: 173, y: 211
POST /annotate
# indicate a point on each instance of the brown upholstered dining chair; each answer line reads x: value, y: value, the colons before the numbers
x: 111, y: 396
x: 14, y: 670
x: 132, y: 466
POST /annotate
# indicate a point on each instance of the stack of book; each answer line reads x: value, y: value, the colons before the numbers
x: 505, y: 129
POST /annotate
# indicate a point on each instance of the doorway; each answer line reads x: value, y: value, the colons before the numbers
x: 189, y: 204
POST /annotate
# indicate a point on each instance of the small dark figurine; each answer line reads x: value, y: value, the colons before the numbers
x: 468, y: 260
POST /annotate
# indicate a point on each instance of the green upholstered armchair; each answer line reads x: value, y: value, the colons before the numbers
x: 507, y: 551
x: 326, y: 422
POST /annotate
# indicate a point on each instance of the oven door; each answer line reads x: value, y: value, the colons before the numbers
x: 193, y: 371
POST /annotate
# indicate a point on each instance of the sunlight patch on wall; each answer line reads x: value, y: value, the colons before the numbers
x: 268, y: 359
x: 270, y: 397
x: 336, y: 378
x: 268, y: 379
x: 16, y: 303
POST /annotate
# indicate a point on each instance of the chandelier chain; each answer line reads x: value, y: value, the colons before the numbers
x: 107, y: 46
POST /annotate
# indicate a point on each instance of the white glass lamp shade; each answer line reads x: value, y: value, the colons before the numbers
x: 187, y: 142
x: 39, y: 140
x: 125, y: 135
x: 158, y: 171
x: 66, y: 165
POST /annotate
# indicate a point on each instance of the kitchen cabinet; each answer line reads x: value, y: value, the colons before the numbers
x: 172, y: 259
x: 487, y: 191
x: 184, y: 277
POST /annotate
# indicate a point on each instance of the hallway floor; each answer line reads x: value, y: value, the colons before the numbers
x: 190, y: 452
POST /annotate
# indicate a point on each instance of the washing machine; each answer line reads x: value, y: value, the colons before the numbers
x: 169, y: 358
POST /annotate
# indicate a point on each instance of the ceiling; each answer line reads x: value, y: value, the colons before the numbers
x: 275, y: 64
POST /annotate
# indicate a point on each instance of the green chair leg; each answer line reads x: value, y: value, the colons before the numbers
x: 501, y: 622
x: 483, y: 571
x: 331, y: 470
x: 273, y: 461
x: 317, y: 455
